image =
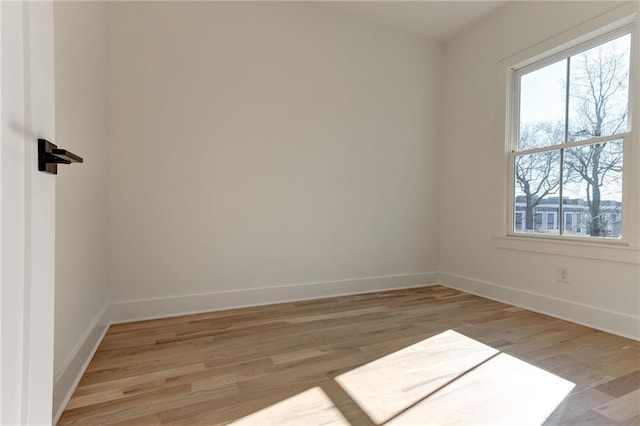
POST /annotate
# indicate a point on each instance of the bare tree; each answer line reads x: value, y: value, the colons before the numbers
x: 537, y: 174
x: 599, y: 89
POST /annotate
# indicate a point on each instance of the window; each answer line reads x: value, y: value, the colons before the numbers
x: 570, y: 130
x: 568, y: 222
x: 519, y: 220
x: 551, y: 221
x: 538, y: 222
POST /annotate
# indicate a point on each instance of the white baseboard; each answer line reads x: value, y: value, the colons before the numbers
x: 66, y: 379
x: 134, y: 310
x: 75, y: 365
x: 70, y: 374
x: 612, y: 322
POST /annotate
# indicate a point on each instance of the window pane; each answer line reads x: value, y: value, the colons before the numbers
x: 568, y: 220
x: 599, y: 90
x: 542, y: 106
x: 536, y: 192
x: 592, y: 190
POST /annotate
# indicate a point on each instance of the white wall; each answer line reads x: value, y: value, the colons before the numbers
x: 259, y: 145
x: 605, y: 294
x: 81, y: 202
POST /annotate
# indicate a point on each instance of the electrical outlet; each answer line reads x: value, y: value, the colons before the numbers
x: 564, y: 273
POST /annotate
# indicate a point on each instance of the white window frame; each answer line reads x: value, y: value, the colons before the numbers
x: 578, y: 38
x: 516, y: 75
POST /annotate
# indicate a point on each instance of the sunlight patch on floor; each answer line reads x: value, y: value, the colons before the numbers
x: 388, y: 385
x: 446, y: 379
x: 453, y: 379
x: 312, y: 407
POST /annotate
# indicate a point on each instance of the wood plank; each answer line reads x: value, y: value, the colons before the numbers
x: 621, y: 385
x: 399, y: 356
x: 623, y: 408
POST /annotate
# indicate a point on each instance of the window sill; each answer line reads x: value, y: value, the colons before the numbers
x: 613, y: 252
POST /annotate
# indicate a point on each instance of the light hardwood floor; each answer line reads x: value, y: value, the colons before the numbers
x: 428, y: 355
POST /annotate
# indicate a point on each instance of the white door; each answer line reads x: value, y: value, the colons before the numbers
x: 27, y: 208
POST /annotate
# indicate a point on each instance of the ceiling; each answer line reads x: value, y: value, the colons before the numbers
x: 432, y: 20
